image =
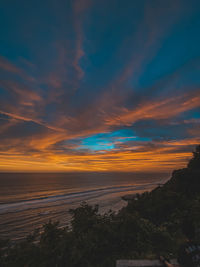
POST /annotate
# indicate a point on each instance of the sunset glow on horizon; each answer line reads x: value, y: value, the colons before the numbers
x: 99, y: 85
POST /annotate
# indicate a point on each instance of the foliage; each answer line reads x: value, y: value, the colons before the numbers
x: 195, y: 161
x: 146, y: 227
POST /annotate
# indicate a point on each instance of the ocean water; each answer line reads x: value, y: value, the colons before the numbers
x: 28, y: 200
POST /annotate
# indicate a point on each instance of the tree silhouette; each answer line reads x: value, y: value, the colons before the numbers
x: 194, y: 163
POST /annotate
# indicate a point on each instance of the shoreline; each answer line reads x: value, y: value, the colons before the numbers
x: 129, y: 197
x: 17, y: 218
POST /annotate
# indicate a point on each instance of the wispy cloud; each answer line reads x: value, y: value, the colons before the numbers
x: 67, y: 99
x: 79, y: 8
x: 157, y: 109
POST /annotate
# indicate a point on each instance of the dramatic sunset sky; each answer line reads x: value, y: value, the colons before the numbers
x: 99, y: 85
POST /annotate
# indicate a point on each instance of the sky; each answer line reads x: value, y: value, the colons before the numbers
x: 89, y: 85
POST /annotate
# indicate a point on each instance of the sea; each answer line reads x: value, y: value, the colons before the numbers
x: 29, y: 200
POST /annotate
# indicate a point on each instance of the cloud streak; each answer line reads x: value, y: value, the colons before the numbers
x: 98, y: 89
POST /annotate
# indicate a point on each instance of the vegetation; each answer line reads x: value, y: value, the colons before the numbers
x: 149, y: 225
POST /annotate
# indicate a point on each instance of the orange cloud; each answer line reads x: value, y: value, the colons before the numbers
x: 162, y: 158
x: 40, y: 151
x: 157, y: 109
x: 43, y: 119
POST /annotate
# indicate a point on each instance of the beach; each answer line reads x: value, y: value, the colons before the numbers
x: 34, y: 199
